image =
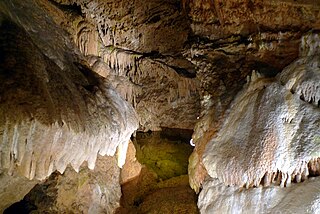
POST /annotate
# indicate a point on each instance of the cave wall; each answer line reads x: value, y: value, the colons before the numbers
x: 265, y: 158
x: 178, y: 64
x: 86, y: 191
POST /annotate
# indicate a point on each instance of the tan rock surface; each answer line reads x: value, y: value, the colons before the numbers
x: 136, y: 25
x: 179, y: 63
x: 89, y: 191
x: 132, y: 167
x: 299, y: 198
x: 269, y: 138
x: 54, y: 111
x: 162, y: 185
x: 13, y: 188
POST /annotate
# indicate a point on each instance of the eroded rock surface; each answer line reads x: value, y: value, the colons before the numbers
x: 54, y: 110
x: 132, y: 167
x: 153, y: 76
x: 270, y: 137
x: 180, y: 64
x: 230, y: 39
x: 299, y: 198
x: 88, y: 191
x: 14, y: 188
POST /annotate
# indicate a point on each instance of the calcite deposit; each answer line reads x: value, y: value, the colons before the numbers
x: 154, y: 77
x: 299, y: 198
x: 54, y: 110
x: 270, y: 137
x: 79, y: 77
x: 233, y: 39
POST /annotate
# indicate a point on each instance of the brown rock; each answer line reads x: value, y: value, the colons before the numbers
x: 89, y: 191
x: 132, y: 167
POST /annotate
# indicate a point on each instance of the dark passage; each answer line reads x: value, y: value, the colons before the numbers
x: 163, y: 184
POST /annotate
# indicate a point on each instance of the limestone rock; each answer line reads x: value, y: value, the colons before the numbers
x: 54, y: 110
x: 135, y: 25
x: 132, y: 167
x: 299, y: 198
x: 161, y: 186
x: 13, y: 188
x: 218, y: 19
x: 158, y: 84
x: 271, y: 129
x: 58, y: 106
x: 270, y: 138
x: 161, y: 95
x: 89, y: 191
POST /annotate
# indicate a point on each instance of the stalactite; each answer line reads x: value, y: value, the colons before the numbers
x: 127, y: 64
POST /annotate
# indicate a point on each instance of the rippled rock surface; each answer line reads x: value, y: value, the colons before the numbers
x: 270, y: 137
x: 54, y: 110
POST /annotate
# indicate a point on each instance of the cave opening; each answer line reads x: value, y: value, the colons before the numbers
x: 164, y: 152
x: 162, y: 186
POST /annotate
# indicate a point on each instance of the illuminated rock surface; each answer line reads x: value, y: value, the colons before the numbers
x: 299, y: 198
x: 54, y: 111
x: 78, y: 77
x: 270, y: 137
x: 89, y: 191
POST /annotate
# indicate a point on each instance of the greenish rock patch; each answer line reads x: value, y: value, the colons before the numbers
x: 166, y: 153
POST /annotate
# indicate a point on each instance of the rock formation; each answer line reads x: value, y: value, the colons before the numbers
x: 236, y: 37
x: 270, y: 137
x: 79, y: 77
x: 54, y: 110
x: 86, y: 191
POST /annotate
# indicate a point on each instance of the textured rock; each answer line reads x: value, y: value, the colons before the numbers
x: 157, y: 90
x: 132, y: 167
x: 54, y: 110
x: 271, y: 137
x: 271, y: 129
x: 58, y: 106
x: 146, y: 194
x: 299, y: 198
x: 170, y: 59
x: 89, y: 191
x: 13, y: 188
x: 232, y: 38
x: 161, y: 186
x: 176, y: 200
x: 218, y: 19
x: 160, y: 86
x: 136, y: 25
